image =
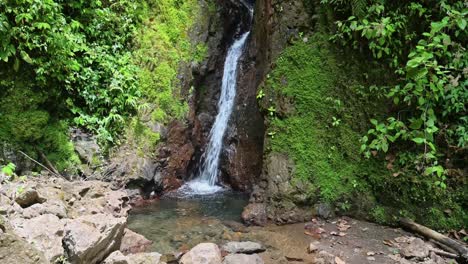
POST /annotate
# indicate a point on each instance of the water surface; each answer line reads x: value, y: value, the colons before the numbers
x: 176, y: 223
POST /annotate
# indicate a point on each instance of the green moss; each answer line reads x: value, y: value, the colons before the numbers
x: 142, y: 136
x: 318, y: 133
x: 163, y: 44
x: 317, y: 112
x: 29, y: 127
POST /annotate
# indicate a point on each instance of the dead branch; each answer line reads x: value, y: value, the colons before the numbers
x: 461, y: 250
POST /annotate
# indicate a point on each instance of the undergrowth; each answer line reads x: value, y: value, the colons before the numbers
x: 317, y: 110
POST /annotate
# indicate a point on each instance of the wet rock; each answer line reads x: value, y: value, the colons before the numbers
x: 415, y: 249
x: 90, y: 238
x: 255, y: 214
x: 28, y: 198
x: 134, y: 243
x: 118, y: 257
x: 247, y: 247
x: 243, y: 259
x: 204, y: 253
x: 236, y: 226
x: 45, y: 232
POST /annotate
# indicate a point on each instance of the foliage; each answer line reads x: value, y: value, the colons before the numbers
x: 9, y: 169
x: 322, y: 108
x: 88, y: 64
x: 163, y: 45
x: 72, y: 60
x: 317, y: 122
x: 424, y: 43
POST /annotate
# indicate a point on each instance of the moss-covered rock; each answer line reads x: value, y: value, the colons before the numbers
x: 317, y: 110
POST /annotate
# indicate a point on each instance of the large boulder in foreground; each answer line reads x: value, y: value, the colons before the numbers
x: 89, y: 239
x: 204, y: 253
x: 14, y: 249
x: 45, y: 232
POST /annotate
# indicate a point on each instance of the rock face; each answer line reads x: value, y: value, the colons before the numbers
x: 278, y: 196
x: 204, y: 253
x: 240, y: 162
x: 83, y: 220
x: 276, y: 24
x: 90, y: 238
x: 45, y: 232
x: 255, y: 214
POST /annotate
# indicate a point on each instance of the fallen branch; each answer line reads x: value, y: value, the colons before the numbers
x: 40, y: 164
x: 444, y: 254
x: 48, y: 163
x: 458, y: 247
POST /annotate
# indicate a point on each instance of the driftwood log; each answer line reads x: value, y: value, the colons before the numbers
x: 458, y: 247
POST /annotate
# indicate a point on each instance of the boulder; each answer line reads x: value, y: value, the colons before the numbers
x: 54, y: 207
x: 323, y: 257
x: 28, y: 198
x: 204, y: 253
x: 14, y: 249
x: 45, y: 232
x: 255, y: 214
x: 415, y: 249
x: 89, y: 239
x: 118, y: 257
x: 134, y: 243
x: 243, y: 247
x: 243, y: 259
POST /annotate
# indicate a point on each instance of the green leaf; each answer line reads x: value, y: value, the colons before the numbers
x: 461, y: 22
x: 41, y: 25
x: 26, y: 57
x: 385, y: 146
x: 419, y: 140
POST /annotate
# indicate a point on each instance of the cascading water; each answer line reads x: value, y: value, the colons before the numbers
x: 206, y: 180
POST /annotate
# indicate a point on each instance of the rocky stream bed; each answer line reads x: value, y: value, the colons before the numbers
x: 57, y: 221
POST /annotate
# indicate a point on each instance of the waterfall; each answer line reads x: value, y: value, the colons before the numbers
x: 207, y: 178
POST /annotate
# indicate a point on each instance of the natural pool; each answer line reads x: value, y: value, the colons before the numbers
x: 177, y: 222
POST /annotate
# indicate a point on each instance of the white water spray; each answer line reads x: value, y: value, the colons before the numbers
x: 206, y: 180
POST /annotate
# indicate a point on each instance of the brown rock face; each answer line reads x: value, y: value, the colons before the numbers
x: 175, y: 157
x: 134, y: 243
x: 255, y: 214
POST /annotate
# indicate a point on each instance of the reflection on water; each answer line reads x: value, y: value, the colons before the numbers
x: 176, y: 223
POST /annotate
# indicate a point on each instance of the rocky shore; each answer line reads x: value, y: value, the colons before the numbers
x: 52, y: 220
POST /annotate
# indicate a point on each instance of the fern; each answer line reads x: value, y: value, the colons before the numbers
x: 358, y: 7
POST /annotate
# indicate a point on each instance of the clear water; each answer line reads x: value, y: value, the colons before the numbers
x: 207, y: 179
x: 176, y: 222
